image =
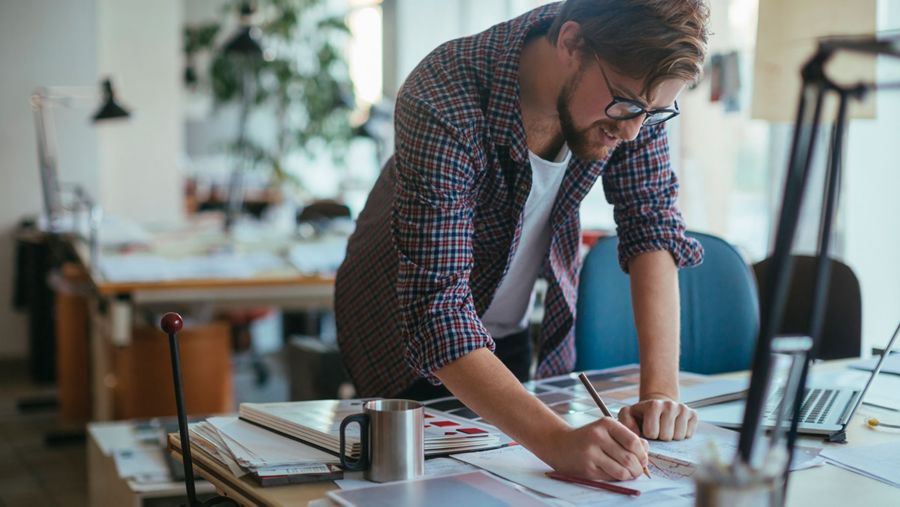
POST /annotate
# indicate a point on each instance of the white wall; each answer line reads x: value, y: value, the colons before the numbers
x: 870, y: 203
x: 139, y: 43
x: 49, y: 43
x: 131, y: 167
x: 416, y: 27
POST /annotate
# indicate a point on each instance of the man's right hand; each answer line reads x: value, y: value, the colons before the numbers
x: 604, y: 449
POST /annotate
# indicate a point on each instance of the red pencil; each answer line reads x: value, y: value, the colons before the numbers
x: 594, y: 484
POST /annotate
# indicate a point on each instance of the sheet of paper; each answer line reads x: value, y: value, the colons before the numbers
x: 891, y: 364
x: 435, y: 467
x: 149, y: 267
x: 519, y: 465
x: 259, y: 447
x: 652, y: 499
x: 205, y: 436
x: 318, y: 256
x: 142, y: 465
x: 711, y: 442
x: 706, y: 441
x: 880, y: 461
x: 694, y: 395
x: 468, y: 489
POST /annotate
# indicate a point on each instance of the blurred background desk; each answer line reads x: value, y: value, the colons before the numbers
x: 204, y: 273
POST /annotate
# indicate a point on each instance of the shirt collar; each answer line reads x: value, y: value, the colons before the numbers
x: 503, y: 103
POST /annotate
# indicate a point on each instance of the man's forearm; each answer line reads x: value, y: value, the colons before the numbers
x: 486, y: 385
x: 654, y: 295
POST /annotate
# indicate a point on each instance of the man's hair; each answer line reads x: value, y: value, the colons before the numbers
x: 652, y: 40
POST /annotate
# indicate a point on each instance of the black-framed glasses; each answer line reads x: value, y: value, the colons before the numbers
x: 621, y: 108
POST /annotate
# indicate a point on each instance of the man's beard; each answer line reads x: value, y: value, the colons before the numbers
x: 584, y: 143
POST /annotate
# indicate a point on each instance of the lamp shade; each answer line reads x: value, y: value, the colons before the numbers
x: 245, y: 40
x: 110, y: 109
x: 244, y: 43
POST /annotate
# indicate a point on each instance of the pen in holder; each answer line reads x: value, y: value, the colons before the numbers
x: 739, y: 485
x: 760, y: 483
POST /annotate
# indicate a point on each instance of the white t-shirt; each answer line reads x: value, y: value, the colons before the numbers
x: 512, y: 303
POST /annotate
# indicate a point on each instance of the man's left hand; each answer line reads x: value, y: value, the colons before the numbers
x: 660, y: 419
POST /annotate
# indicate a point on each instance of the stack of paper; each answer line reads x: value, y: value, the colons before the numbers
x: 256, y: 447
x: 270, y: 458
x: 318, y: 423
x: 880, y: 462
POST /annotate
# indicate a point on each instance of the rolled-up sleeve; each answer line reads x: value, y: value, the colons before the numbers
x: 432, y: 232
x: 642, y: 187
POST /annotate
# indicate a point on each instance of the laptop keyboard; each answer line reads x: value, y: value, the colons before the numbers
x: 817, y: 403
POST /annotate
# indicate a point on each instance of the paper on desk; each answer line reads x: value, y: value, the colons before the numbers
x: 700, y: 394
x: 696, y: 449
x: 652, y: 499
x: 142, y: 465
x: 210, y: 440
x: 891, y: 364
x: 255, y: 447
x: 520, y: 466
x: 880, y: 461
x: 323, y: 256
x: 433, y: 468
x: 149, y: 267
x: 470, y: 488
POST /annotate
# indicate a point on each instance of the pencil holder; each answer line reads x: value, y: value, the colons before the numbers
x: 737, y: 487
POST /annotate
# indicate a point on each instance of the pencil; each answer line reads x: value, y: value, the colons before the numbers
x: 599, y: 401
x: 594, y: 484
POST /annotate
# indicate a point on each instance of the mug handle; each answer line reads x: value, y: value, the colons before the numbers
x: 363, y: 462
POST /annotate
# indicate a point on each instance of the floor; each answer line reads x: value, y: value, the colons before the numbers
x: 32, y: 473
x: 35, y: 474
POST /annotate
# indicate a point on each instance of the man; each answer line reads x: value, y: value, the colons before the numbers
x: 499, y: 136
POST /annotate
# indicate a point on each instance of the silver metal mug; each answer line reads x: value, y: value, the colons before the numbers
x: 392, y: 440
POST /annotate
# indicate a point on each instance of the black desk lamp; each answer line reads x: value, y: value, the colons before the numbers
x: 816, y: 86
x: 110, y: 109
x: 42, y: 101
x: 171, y: 324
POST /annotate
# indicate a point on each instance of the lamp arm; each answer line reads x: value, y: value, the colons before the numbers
x: 46, y: 145
x: 67, y: 96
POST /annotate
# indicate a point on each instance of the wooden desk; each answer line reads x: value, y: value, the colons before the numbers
x: 820, y: 487
x: 107, y: 489
x: 114, y: 305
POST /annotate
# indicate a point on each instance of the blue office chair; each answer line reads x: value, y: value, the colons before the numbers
x: 719, y: 311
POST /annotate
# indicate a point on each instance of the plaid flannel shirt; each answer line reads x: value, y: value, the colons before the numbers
x: 443, y: 220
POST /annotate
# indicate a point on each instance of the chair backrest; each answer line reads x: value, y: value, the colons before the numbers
x: 842, y: 329
x: 719, y: 311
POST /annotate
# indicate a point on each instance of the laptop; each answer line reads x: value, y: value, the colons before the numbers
x: 826, y: 408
